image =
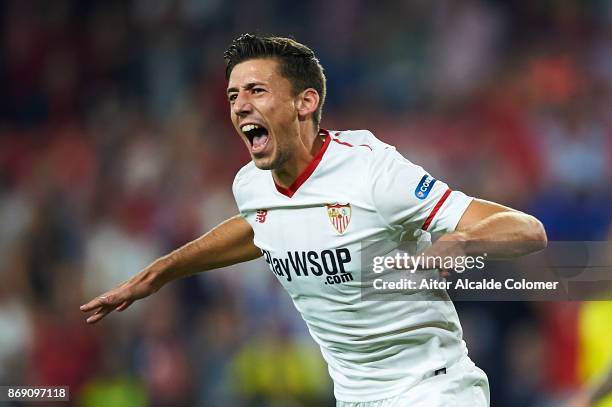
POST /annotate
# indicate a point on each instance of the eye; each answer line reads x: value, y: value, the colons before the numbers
x: 232, y: 97
x: 258, y: 90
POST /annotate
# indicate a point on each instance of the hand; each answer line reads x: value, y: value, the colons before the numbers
x: 451, y: 246
x: 120, y: 297
x: 441, y: 256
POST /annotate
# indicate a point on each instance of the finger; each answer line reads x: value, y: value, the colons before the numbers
x: 98, y: 315
x: 123, y: 306
x: 91, y: 305
x: 104, y: 300
x: 94, y: 319
x: 95, y: 311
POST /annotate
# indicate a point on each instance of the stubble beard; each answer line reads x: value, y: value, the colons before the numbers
x: 278, y: 161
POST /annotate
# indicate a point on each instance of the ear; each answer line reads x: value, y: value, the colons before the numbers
x: 307, y: 103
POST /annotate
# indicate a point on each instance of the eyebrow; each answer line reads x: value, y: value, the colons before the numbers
x: 248, y: 86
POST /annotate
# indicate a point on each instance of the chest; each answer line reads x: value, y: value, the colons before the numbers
x: 315, y: 247
x: 313, y: 226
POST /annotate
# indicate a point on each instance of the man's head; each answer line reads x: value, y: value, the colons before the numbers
x: 275, y: 84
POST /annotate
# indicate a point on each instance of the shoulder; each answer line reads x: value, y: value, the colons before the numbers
x: 244, y: 173
x: 387, y: 163
x: 380, y: 154
x: 359, y: 138
x: 361, y: 145
x: 366, y: 154
x: 247, y: 178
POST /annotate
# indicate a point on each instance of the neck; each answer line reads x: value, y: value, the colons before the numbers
x: 308, y: 146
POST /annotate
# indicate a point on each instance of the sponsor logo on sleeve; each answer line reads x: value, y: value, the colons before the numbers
x: 425, y: 186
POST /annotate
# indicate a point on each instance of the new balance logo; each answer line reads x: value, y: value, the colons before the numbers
x: 260, y: 217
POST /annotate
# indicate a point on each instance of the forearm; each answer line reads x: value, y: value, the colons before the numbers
x: 501, y: 232
x: 228, y: 243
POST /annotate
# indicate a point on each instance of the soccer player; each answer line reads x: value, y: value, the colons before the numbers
x: 308, y: 200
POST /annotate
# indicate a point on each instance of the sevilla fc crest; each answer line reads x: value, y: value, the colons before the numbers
x: 339, y: 216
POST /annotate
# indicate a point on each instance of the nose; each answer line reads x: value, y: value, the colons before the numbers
x: 242, y: 105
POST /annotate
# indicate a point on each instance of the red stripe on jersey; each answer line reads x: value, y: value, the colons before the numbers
x: 348, y: 144
x: 344, y: 143
x: 307, y: 171
x: 436, y: 209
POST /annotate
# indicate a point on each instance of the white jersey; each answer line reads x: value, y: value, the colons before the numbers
x: 356, y: 189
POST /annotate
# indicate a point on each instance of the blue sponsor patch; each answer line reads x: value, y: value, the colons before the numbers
x: 425, y: 186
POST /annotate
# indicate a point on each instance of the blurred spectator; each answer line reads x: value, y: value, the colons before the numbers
x: 272, y: 370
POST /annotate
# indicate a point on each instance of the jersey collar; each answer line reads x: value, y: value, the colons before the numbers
x: 289, y: 192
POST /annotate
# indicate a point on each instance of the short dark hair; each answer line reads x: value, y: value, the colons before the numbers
x: 297, y: 62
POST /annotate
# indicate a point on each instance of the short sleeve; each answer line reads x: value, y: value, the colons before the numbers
x: 406, y: 196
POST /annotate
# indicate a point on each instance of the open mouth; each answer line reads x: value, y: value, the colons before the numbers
x: 256, y: 134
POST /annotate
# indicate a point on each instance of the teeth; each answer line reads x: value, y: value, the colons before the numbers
x: 249, y: 127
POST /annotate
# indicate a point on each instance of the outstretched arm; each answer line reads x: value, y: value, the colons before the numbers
x: 229, y: 243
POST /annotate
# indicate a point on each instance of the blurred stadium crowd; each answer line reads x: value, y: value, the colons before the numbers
x: 116, y: 147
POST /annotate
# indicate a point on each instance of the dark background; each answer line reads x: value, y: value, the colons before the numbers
x: 116, y: 147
